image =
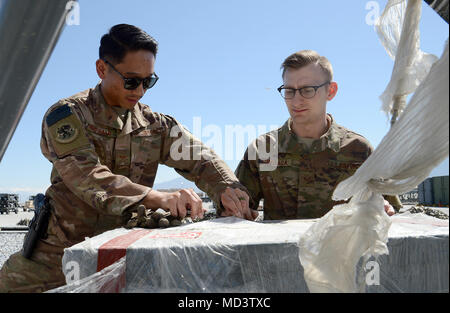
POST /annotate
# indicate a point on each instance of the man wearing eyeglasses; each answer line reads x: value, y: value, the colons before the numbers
x: 105, y: 147
x: 314, y: 152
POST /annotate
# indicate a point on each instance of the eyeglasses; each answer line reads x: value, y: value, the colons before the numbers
x: 307, y: 92
x: 133, y: 83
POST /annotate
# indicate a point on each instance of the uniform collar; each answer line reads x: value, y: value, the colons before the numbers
x: 106, y: 115
x: 289, y: 141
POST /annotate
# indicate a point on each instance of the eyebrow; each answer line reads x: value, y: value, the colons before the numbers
x: 303, y: 86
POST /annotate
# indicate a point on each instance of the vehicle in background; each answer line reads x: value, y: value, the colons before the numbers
x: 29, y: 204
x: 9, y: 203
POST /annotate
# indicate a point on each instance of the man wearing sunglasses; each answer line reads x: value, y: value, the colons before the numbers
x: 314, y: 152
x: 105, y: 147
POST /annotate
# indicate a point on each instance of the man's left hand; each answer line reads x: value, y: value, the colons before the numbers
x: 236, y: 203
x: 388, y: 208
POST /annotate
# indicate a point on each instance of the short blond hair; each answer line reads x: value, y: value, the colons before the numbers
x: 305, y: 57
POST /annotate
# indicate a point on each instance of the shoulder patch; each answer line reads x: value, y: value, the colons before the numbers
x: 65, y: 131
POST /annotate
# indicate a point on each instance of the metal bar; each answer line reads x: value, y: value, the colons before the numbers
x: 440, y: 6
x: 29, y: 30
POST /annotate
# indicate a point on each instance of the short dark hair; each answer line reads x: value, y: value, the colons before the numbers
x: 122, y: 38
x: 305, y: 57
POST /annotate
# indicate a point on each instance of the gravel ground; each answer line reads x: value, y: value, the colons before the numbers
x: 10, y: 242
x: 408, y: 206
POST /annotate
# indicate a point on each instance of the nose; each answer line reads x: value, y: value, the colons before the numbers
x: 139, y: 91
x: 297, y: 100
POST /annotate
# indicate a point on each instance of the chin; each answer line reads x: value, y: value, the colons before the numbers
x: 128, y: 105
x: 299, y: 118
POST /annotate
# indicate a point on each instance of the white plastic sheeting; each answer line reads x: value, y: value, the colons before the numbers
x: 398, y: 30
x: 405, y: 157
x: 415, y: 144
x: 234, y: 255
x: 331, y: 248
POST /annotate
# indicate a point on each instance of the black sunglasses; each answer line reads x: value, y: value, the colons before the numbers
x: 133, y: 83
x: 307, y: 92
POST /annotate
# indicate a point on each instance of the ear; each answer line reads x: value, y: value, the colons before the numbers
x: 332, y: 90
x: 100, y: 66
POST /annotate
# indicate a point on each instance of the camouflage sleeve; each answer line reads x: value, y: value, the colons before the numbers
x: 394, y: 201
x: 66, y: 145
x: 248, y: 175
x: 195, y: 161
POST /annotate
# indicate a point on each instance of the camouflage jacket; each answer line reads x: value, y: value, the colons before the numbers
x: 303, y: 179
x: 104, y: 164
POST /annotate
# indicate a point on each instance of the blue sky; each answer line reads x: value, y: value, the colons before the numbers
x: 220, y: 61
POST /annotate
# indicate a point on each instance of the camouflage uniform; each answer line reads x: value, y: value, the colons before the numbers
x: 306, y: 174
x: 104, y: 162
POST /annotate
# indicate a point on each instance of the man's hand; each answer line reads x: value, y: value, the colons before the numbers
x: 235, y: 203
x: 177, y: 202
x: 388, y: 208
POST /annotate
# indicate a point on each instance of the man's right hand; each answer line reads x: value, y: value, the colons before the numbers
x: 236, y: 203
x: 177, y: 202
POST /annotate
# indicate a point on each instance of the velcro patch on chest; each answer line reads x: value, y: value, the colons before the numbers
x: 65, y: 131
x: 102, y: 131
x: 345, y: 165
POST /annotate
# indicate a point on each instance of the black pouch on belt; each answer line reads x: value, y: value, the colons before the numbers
x: 38, y: 225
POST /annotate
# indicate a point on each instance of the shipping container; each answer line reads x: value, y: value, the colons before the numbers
x: 440, y: 190
x: 426, y: 192
x: 434, y: 191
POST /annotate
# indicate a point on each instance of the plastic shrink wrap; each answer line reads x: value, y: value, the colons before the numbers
x: 416, y: 143
x: 234, y: 255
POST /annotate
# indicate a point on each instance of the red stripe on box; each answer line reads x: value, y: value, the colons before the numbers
x: 116, y: 248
